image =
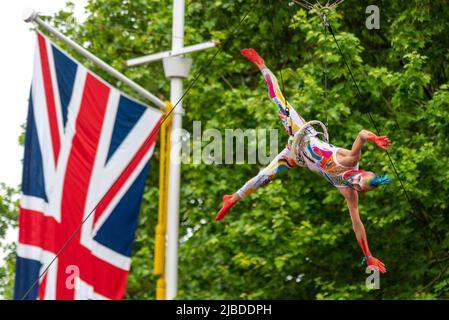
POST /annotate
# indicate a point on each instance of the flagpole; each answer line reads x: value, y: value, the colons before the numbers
x: 176, y: 68
x: 176, y: 90
x: 32, y: 16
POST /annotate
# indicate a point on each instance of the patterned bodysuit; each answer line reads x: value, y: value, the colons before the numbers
x: 318, y: 155
x: 322, y: 158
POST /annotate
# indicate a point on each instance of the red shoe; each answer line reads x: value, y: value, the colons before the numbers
x: 228, y: 203
x: 254, y: 57
x: 371, y: 261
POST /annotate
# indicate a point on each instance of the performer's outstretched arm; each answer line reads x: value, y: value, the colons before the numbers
x: 352, y: 201
x: 281, y: 162
x: 364, y: 136
x: 294, y: 121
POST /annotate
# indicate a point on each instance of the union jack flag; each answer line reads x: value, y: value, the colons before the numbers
x: 86, y: 143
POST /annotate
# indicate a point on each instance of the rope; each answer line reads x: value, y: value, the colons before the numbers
x: 161, y: 228
x: 388, y: 154
x: 287, y: 109
x: 165, y: 118
x: 325, y: 71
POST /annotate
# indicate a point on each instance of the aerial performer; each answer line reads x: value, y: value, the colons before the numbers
x: 337, y: 165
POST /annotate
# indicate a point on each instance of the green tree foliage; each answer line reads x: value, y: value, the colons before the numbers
x: 8, y: 220
x: 293, y: 239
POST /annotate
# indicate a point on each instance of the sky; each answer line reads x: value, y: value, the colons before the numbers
x: 16, y: 67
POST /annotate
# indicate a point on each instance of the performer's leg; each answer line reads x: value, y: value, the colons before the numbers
x: 281, y: 162
x: 275, y: 93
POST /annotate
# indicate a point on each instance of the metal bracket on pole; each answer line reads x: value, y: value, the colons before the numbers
x: 30, y: 15
x: 177, y: 67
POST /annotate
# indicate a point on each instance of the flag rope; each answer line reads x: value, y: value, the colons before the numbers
x: 161, y: 228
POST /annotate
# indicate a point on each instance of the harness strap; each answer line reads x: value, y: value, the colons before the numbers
x: 289, y: 120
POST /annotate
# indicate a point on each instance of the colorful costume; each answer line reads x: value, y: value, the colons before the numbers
x: 319, y: 156
x: 291, y: 120
x: 282, y: 161
x: 322, y: 158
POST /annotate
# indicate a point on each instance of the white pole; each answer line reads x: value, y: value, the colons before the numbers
x: 176, y: 88
x: 32, y: 16
x: 167, y: 54
x: 176, y: 68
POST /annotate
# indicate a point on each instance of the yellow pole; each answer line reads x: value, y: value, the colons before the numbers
x: 159, y: 248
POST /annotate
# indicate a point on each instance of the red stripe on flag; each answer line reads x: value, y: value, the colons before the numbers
x: 105, y: 278
x: 78, y: 174
x: 113, y: 280
x: 38, y: 230
x: 42, y: 287
x: 118, y: 184
x: 49, y: 97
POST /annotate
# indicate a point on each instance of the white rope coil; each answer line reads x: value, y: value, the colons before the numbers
x: 301, y: 139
